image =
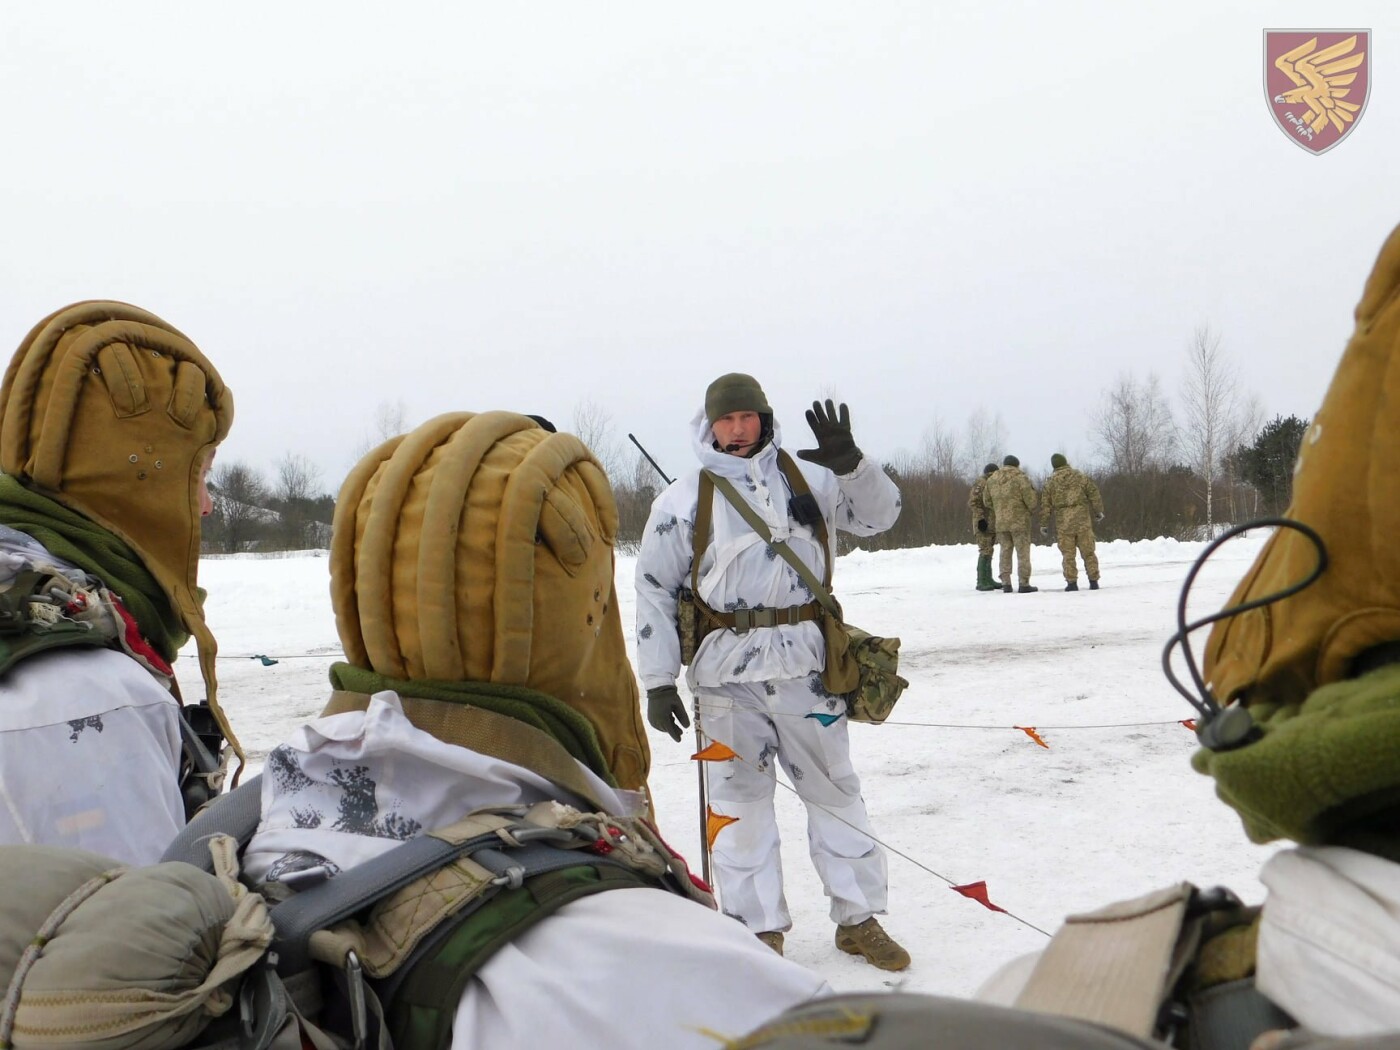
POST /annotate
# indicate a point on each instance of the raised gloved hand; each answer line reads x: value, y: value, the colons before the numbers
x: 981, y: 524
x: 836, y: 449
x: 666, y: 712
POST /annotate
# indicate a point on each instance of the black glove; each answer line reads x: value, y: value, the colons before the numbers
x: 981, y: 524
x: 665, y: 710
x: 836, y: 449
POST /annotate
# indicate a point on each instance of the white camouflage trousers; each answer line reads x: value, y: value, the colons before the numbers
x: 797, y: 724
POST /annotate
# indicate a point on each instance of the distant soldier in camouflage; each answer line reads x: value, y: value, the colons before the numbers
x: 1013, y: 501
x: 983, y: 528
x: 1071, y: 497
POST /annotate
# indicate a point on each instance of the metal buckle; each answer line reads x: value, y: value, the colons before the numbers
x: 355, y: 991
x: 743, y: 621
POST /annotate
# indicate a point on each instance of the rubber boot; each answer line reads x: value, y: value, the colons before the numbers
x: 1073, y: 585
x: 1093, y: 585
x: 1025, y: 588
x: 984, y: 573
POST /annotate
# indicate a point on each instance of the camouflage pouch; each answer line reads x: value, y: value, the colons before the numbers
x: 862, y: 668
x: 879, y: 684
x: 691, y: 624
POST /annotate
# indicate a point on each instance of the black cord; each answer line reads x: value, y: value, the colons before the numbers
x: 1202, y: 701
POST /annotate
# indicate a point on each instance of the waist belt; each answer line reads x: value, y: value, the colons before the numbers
x: 742, y: 620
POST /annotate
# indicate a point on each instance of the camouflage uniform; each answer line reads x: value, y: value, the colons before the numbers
x: 1075, y: 502
x: 1013, y: 501
x: 981, y: 508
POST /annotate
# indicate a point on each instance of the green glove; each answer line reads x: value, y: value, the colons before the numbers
x: 666, y: 712
x: 836, y: 449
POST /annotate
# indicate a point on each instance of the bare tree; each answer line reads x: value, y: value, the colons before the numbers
x: 297, y: 478
x: 985, y: 438
x: 634, y: 497
x: 239, y: 494
x: 296, y: 493
x: 1245, y: 423
x: 390, y: 420
x: 1208, y: 408
x: 593, y: 425
x: 1133, y: 428
x: 939, y: 452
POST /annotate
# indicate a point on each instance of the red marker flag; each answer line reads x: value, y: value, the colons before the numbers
x: 1030, y: 732
x: 978, y: 892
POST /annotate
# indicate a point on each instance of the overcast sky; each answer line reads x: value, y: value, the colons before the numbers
x: 922, y: 208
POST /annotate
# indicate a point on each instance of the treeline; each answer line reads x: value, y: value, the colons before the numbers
x: 1148, y: 500
x: 254, y: 513
x: 1179, y: 475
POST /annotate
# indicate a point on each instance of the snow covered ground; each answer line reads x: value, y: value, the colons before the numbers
x: 1109, y: 810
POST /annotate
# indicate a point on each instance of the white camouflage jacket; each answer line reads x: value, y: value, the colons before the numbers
x: 738, y: 570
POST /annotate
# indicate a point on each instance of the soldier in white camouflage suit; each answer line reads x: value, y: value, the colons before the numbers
x: 984, y: 528
x: 1075, y: 502
x: 1013, y: 502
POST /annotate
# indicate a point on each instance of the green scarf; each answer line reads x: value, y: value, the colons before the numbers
x: 1327, y: 770
x: 69, y: 536
x: 573, y: 731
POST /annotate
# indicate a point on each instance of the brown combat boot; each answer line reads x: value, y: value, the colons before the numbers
x: 870, y: 941
x: 772, y: 938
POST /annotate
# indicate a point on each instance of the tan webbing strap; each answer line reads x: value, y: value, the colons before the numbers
x: 741, y: 620
x: 488, y: 733
x: 704, y: 511
x: 1115, y: 966
x: 819, y: 588
x: 789, y: 469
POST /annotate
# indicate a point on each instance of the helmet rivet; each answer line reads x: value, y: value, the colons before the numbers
x: 159, y: 464
x: 96, y: 370
x: 133, y: 458
x: 141, y: 475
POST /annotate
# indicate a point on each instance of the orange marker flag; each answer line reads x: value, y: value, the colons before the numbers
x: 715, y: 752
x: 714, y: 824
x: 1030, y: 732
x: 978, y: 892
x: 1189, y: 723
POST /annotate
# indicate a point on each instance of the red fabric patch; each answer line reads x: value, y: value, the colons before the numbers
x: 137, y: 644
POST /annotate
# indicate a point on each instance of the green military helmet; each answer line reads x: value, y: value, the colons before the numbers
x: 990, y: 468
x: 1058, y: 460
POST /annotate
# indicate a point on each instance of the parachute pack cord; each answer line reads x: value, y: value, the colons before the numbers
x: 1226, y: 728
